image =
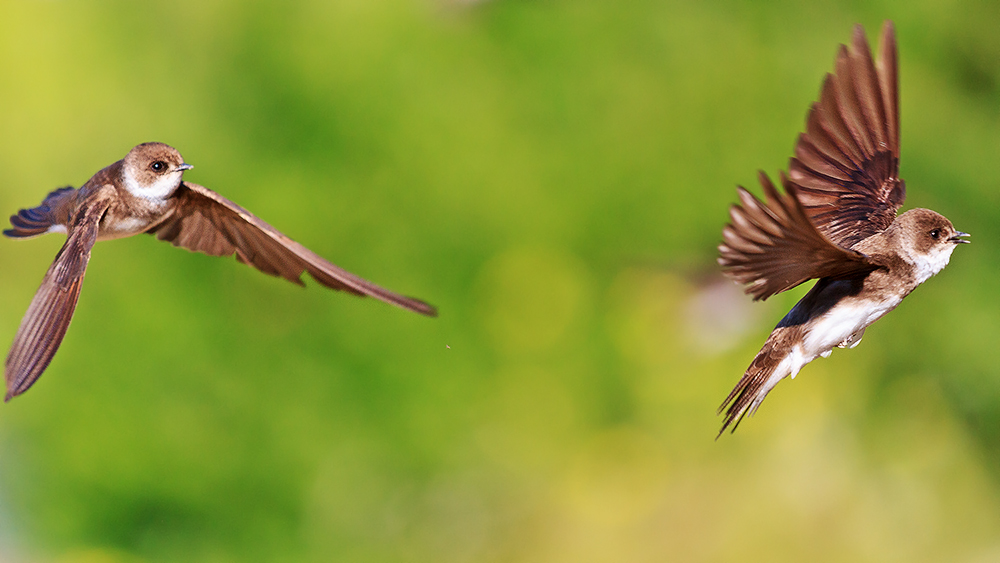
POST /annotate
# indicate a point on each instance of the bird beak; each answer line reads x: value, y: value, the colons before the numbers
x: 186, y: 166
x: 955, y: 239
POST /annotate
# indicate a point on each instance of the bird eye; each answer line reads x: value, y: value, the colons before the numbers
x: 935, y: 234
x: 159, y: 166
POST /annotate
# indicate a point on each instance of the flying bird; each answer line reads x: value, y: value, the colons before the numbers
x: 145, y: 193
x: 835, y: 222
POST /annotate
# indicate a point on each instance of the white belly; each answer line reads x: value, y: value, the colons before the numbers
x: 123, y: 227
x: 841, y: 322
x: 836, y: 326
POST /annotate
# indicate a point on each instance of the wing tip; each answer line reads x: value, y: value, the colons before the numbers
x: 858, y: 35
x: 421, y: 307
x: 888, y: 30
x: 15, y: 386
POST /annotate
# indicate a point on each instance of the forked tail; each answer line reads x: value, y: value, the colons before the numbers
x: 38, y: 220
x: 770, y: 366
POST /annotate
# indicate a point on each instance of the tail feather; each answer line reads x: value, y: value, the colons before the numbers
x: 38, y: 220
x: 737, y: 404
x: 767, y: 368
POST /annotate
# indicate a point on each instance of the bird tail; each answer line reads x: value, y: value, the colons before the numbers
x: 772, y: 364
x: 38, y: 220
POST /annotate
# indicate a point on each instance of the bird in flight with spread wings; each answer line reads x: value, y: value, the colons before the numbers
x: 835, y: 222
x: 145, y: 193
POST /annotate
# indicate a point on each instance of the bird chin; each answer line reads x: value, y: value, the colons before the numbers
x: 159, y: 190
x: 933, y: 262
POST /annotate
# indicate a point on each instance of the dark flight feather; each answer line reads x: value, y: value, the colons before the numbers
x: 846, y: 164
x: 773, y: 246
x: 204, y: 221
x: 51, y: 310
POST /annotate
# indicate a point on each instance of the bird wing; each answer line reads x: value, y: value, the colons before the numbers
x: 773, y: 246
x: 204, y: 221
x: 846, y: 165
x: 44, y: 325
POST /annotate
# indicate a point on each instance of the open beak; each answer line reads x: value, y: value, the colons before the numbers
x: 186, y: 166
x: 955, y: 238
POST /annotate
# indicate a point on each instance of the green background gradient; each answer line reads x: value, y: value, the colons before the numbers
x: 554, y: 176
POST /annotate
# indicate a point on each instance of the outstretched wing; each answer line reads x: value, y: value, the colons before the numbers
x: 204, y: 221
x: 774, y: 246
x: 846, y: 164
x: 51, y: 310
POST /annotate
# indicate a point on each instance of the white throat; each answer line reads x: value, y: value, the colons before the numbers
x: 926, y: 265
x: 161, y: 189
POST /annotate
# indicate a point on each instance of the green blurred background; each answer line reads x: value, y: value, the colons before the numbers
x: 553, y: 175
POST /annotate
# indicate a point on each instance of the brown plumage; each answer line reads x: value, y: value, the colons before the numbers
x: 846, y: 165
x: 836, y: 222
x: 773, y: 247
x: 204, y: 221
x: 44, y: 325
x: 842, y: 187
x: 144, y: 193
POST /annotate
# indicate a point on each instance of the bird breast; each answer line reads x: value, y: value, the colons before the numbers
x: 125, y: 219
x: 843, y: 320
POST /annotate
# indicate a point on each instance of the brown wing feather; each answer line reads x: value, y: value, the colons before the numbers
x: 774, y: 246
x: 846, y: 164
x: 207, y: 222
x: 51, y: 310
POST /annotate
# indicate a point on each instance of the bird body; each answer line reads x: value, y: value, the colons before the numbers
x: 145, y: 193
x: 836, y: 223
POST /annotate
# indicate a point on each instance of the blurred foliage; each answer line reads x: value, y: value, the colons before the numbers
x: 554, y: 176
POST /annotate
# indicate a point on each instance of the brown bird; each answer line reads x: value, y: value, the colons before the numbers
x: 145, y: 193
x: 836, y: 222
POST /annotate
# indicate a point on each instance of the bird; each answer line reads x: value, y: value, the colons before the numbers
x: 145, y: 193
x: 836, y: 222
